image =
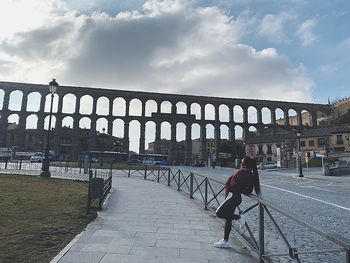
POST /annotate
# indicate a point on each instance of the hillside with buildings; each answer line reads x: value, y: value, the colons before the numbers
x: 330, y: 138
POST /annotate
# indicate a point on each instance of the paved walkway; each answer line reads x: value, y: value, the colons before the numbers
x: 148, y: 222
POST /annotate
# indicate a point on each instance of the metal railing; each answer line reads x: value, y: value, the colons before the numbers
x: 57, y: 169
x: 100, y: 186
x: 260, y: 237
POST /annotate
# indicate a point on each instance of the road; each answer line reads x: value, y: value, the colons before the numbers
x: 317, y: 200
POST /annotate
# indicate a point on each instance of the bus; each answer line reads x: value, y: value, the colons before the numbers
x: 10, y: 153
x: 150, y: 158
x: 105, y: 156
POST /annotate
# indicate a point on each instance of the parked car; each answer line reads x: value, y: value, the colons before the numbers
x: 38, y: 157
x: 198, y: 164
x: 134, y: 161
x: 267, y: 165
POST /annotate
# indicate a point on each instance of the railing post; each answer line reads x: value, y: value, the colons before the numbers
x: 206, y: 194
x: 261, y: 232
x: 158, y: 174
x: 178, y: 180
x: 129, y: 171
x: 89, y: 193
x: 20, y: 164
x: 145, y: 176
x: 100, y: 202
x: 6, y: 161
x: 191, y: 185
x: 169, y: 176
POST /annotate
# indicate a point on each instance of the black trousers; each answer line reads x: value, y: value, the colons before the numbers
x: 226, y: 211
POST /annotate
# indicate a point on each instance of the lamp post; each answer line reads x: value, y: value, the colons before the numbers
x: 299, y: 155
x: 45, y: 171
x: 286, y: 153
x: 102, y: 145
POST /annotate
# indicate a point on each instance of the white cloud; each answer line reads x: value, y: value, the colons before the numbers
x: 23, y: 15
x: 273, y: 27
x: 305, y: 33
x: 345, y: 43
x: 167, y: 46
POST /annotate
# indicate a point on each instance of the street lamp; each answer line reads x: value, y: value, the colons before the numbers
x: 45, y: 172
x: 286, y: 153
x: 102, y: 145
x: 299, y: 155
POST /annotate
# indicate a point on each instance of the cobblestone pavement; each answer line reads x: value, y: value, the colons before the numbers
x: 316, y: 199
x: 148, y: 222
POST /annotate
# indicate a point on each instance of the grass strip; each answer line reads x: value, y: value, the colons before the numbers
x: 39, y: 217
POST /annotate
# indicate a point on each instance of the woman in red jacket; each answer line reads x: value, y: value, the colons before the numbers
x: 242, y: 182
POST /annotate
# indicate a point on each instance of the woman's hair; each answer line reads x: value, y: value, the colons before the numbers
x: 250, y: 163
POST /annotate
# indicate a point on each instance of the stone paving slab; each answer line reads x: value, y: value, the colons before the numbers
x: 148, y: 222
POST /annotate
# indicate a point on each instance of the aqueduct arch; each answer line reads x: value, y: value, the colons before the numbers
x: 185, y: 109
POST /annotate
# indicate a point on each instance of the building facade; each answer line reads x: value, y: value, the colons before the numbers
x: 340, y: 139
x: 316, y: 141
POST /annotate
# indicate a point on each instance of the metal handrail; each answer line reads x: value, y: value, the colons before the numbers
x: 106, y: 189
x: 258, y: 246
x: 335, y: 238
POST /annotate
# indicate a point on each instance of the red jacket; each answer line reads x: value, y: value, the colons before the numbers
x: 242, y: 182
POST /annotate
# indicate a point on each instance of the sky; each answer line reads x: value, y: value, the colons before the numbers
x: 291, y: 50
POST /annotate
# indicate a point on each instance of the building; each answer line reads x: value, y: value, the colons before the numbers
x: 67, y: 145
x: 281, y: 146
x: 165, y: 147
x: 340, y: 139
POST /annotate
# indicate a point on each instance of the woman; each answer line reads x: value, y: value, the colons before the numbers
x: 242, y: 182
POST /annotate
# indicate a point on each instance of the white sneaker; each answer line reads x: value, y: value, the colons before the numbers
x: 221, y: 244
x: 242, y: 220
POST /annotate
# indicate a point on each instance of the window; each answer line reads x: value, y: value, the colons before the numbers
x: 260, y: 150
x: 339, y: 149
x: 339, y: 139
x: 312, y: 143
x: 269, y: 149
x: 66, y: 140
x: 293, y: 143
x: 302, y: 143
x: 321, y: 142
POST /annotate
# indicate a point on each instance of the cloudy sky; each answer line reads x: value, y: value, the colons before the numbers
x: 293, y: 50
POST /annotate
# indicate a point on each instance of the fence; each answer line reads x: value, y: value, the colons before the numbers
x: 63, y: 170
x: 100, y: 186
x: 66, y: 171
x: 263, y: 233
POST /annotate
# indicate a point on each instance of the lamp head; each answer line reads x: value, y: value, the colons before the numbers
x: 53, y: 85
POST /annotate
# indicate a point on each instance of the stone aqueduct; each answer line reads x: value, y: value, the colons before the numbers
x: 195, y: 111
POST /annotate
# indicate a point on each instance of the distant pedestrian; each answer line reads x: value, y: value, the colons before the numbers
x: 242, y: 182
x: 214, y: 161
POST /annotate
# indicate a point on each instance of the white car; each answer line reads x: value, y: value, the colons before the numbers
x: 37, y: 157
x: 267, y: 165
